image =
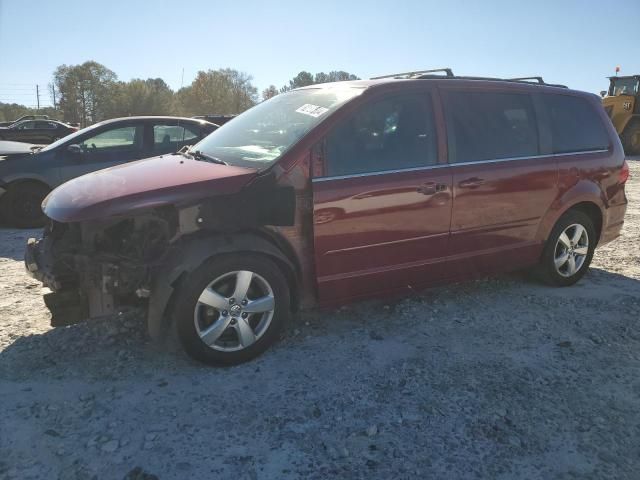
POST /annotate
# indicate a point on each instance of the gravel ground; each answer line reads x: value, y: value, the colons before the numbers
x: 500, y: 378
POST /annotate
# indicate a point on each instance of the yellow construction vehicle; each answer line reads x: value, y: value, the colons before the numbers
x: 622, y: 103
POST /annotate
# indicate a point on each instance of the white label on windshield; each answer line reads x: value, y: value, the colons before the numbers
x: 312, y: 110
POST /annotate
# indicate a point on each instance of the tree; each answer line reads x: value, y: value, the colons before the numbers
x: 224, y: 91
x: 84, y: 91
x: 140, y: 97
x: 13, y: 111
x: 269, y: 92
x: 304, y: 79
x: 334, y: 76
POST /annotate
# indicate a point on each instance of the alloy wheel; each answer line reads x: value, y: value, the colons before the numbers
x: 234, y: 311
x: 571, y: 250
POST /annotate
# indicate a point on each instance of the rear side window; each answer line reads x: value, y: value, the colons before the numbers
x: 575, y: 125
x: 167, y: 138
x: 490, y: 126
x: 394, y: 133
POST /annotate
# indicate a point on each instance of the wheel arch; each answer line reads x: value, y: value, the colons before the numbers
x: 191, y: 251
x: 585, y: 196
x: 593, y: 212
x: 588, y: 205
x: 27, y: 180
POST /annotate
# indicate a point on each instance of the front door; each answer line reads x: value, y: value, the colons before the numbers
x: 382, y: 209
x: 107, y: 148
x: 502, y: 184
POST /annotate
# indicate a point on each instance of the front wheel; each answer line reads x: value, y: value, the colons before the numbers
x: 631, y: 138
x: 569, y: 250
x: 232, y: 308
x: 21, y: 205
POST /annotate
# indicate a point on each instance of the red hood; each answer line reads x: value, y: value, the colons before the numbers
x: 153, y: 182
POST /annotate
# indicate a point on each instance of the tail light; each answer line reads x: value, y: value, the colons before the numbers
x: 624, y: 173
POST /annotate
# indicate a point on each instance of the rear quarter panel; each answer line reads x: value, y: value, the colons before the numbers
x: 591, y: 177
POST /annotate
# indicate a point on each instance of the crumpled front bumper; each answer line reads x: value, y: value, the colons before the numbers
x: 36, y: 266
x: 67, y: 307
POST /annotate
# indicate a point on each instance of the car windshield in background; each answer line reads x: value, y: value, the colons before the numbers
x: 261, y: 135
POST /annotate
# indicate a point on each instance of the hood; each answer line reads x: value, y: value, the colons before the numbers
x: 10, y: 148
x: 153, y: 182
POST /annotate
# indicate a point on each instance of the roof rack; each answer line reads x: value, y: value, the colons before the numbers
x: 416, y: 74
x: 428, y: 74
x: 528, y: 79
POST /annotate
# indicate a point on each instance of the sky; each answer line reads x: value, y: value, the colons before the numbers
x: 577, y: 43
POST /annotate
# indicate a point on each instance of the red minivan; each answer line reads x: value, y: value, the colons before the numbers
x: 333, y: 193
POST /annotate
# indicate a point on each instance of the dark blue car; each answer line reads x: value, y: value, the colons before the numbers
x: 26, y: 178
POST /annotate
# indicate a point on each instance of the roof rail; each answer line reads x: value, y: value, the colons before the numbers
x: 416, y: 74
x: 427, y: 74
x: 527, y: 79
x: 538, y: 80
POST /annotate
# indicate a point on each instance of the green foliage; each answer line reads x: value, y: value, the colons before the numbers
x: 84, y: 91
x: 304, y: 79
x: 140, y: 97
x: 90, y: 93
x: 13, y: 111
x: 224, y: 91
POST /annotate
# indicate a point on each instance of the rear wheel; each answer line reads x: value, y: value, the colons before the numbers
x: 21, y: 205
x: 569, y: 250
x: 232, y: 308
x: 631, y: 138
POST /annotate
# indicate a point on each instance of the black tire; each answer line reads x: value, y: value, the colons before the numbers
x: 188, y: 312
x: 555, y: 249
x: 21, y: 205
x: 631, y: 138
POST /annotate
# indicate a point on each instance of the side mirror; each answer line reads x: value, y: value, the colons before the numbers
x: 603, y: 93
x: 75, y: 149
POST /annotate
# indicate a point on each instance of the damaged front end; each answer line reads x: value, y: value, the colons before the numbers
x: 94, y: 268
x: 101, y: 253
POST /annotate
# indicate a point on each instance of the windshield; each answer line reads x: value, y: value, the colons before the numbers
x: 624, y: 86
x: 261, y: 135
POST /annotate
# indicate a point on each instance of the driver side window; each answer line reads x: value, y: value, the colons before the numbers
x: 394, y: 133
x: 117, y: 139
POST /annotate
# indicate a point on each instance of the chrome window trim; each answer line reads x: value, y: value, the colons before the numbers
x: 442, y: 165
x: 380, y: 172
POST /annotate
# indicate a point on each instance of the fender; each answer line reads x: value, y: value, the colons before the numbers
x: 582, y: 191
x: 189, y: 253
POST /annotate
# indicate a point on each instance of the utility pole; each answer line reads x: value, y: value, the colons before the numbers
x: 38, y: 96
x: 53, y: 95
x: 182, y: 79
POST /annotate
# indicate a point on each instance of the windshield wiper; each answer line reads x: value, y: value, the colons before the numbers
x: 198, y: 155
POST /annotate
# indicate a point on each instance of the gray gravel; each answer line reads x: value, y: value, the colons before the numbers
x: 500, y: 378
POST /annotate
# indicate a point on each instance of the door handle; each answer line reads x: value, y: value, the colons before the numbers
x: 431, y: 188
x: 473, y: 182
